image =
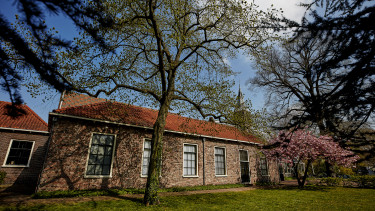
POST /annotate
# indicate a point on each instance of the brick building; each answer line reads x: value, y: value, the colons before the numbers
x: 102, y: 144
x: 23, y: 138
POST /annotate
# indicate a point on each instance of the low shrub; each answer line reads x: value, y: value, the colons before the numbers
x: 365, y: 181
x: 2, y: 176
x: 331, y: 181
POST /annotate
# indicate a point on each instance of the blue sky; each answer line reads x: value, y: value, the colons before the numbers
x: 242, y: 64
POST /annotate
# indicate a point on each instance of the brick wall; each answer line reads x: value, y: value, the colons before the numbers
x: 68, y: 152
x: 24, y: 176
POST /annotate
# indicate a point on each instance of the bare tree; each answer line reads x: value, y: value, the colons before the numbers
x: 302, y: 94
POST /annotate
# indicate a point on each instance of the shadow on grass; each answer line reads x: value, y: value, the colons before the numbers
x: 118, y: 192
x: 85, y: 193
x: 290, y: 187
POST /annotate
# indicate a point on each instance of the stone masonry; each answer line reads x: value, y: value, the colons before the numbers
x: 25, y: 176
x: 67, y: 156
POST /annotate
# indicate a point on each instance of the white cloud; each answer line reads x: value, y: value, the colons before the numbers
x: 290, y: 7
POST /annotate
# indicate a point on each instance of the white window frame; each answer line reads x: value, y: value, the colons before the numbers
x: 247, y: 152
x: 196, y: 160
x: 143, y: 152
x: 268, y: 172
x: 225, y: 162
x: 88, y: 156
x: 7, y: 154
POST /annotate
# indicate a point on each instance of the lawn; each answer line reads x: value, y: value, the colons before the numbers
x: 260, y: 199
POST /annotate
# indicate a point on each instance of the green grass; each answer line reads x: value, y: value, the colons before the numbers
x: 203, y: 187
x: 118, y: 192
x: 311, y: 198
x: 289, y: 178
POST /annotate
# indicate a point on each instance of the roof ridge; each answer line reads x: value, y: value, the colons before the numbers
x: 91, y: 104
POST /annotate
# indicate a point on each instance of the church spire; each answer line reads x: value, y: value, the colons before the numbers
x: 240, y: 99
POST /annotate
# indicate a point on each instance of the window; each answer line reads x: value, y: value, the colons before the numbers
x: 220, y: 161
x: 146, y: 156
x: 19, y: 153
x: 190, y: 160
x: 263, y: 166
x: 100, y: 156
x: 243, y: 156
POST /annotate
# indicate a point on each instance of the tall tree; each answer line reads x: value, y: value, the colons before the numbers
x: 16, y: 54
x: 303, y: 94
x: 171, y: 54
x: 298, y: 92
x: 346, y: 28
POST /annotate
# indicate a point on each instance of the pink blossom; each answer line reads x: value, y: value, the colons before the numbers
x: 305, y: 146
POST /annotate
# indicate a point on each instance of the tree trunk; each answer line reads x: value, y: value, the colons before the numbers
x: 305, y: 174
x: 151, y: 192
x: 301, y: 181
x: 324, y: 131
x: 295, y: 167
x: 328, y: 168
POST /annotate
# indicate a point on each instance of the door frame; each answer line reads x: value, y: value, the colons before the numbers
x: 248, y: 165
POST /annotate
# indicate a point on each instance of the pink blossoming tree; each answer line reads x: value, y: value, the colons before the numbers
x: 302, y: 146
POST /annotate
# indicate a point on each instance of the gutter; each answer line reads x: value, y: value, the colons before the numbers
x: 150, y: 128
x: 24, y: 130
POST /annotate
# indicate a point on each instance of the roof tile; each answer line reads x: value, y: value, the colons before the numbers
x: 140, y: 116
x: 28, y: 121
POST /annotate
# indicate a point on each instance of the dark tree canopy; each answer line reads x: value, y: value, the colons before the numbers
x: 325, y: 75
x: 347, y: 28
x: 17, y: 54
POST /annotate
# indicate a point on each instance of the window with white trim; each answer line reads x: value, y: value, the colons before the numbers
x: 19, y: 153
x: 146, y: 156
x: 263, y: 166
x: 190, y: 160
x: 220, y: 161
x: 100, y: 156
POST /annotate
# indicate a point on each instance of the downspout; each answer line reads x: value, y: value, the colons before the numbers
x: 54, y: 119
x: 204, y: 163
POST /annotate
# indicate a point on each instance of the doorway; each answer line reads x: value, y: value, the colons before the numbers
x: 244, y: 164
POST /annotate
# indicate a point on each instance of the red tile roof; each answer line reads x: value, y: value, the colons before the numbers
x: 145, y: 117
x: 73, y: 99
x: 28, y: 121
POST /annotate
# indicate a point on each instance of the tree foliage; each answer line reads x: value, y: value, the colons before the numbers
x: 170, y: 55
x: 16, y: 53
x: 302, y: 146
x: 346, y: 28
